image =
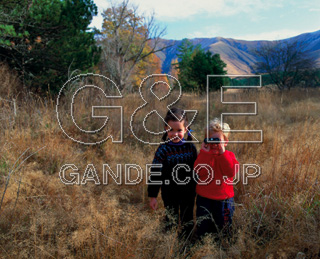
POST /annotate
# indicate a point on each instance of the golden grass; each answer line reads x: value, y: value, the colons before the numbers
x: 277, y: 214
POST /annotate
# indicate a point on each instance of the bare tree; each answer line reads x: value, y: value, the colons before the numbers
x: 286, y: 62
x: 127, y: 38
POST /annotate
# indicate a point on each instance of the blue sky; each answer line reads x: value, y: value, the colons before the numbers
x: 238, y: 19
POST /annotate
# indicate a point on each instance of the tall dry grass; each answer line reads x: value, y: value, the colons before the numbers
x: 277, y: 215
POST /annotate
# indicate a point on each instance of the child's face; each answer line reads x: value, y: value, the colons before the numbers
x: 177, y: 130
x: 216, y: 146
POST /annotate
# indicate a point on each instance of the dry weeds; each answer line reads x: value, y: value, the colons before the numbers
x: 277, y: 214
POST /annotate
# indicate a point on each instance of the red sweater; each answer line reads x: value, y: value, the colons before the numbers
x: 223, y: 168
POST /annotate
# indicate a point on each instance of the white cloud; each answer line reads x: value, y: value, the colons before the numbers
x: 310, y: 5
x: 182, y: 9
x: 97, y: 20
x: 102, y: 5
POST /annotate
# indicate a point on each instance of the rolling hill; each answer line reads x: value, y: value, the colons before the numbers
x: 237, y: 54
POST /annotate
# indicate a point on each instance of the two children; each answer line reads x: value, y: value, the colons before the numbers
x: 215, y: 168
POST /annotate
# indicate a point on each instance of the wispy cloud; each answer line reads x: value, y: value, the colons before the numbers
x: 173, y: 10
x: 218, y: 17
x: 310, y: 5
x: 181, y: 9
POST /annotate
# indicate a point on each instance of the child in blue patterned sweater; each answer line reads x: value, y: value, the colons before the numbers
x: 175, y: 176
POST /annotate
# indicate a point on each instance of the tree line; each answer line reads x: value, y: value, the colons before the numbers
x: 49, y: 41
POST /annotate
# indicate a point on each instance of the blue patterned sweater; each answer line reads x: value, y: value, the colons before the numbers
x: 176, y: 174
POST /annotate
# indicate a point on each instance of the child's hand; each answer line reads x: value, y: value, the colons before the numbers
x: 205, y: 147
x: 153, y: 203
x: 222, y: 148
x: 216, y: 149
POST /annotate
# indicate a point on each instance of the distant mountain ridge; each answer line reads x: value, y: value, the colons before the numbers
x: 237, y: 54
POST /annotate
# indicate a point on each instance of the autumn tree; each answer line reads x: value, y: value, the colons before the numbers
x: 45, y: 39
x: 148, y: 66
x: 126, y: 39
x: 286, y: 62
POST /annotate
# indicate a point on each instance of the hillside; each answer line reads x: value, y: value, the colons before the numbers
x: 237, y: 54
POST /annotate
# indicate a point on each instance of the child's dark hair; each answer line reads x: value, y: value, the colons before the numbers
x: 176, y: 114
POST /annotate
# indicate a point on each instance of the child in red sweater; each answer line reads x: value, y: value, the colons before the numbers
x: 215, y: 168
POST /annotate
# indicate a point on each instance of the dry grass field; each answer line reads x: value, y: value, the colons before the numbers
x: 277, y: 214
